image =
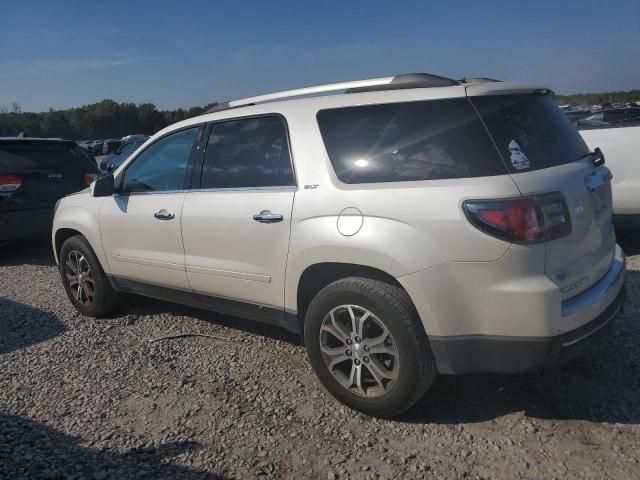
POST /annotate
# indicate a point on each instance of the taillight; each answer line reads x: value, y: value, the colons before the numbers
x: 89, y: 178
x: 9, y: 183
x: 534, y: 219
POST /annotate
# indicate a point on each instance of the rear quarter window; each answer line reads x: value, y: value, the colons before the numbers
x: 425, y: 140
x: 531, y: 132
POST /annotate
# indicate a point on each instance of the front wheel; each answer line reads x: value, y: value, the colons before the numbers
x: 367, y: 346
x: 85, y: 282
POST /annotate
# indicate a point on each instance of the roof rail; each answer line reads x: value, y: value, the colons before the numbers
x: 411, y: 80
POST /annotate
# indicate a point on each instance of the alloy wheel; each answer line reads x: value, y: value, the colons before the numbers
x: 359, y: 351
x: 79, y: 277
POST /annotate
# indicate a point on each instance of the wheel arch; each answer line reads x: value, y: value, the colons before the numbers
x: 59, y: 237
x: 73, y: 220
x: 318, y: 275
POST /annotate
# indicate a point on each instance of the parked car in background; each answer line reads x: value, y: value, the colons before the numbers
x: 621, y: 147
x: 410, y: 226
x: 113, y: 161
x: 34, y: 174
x: 111, y: 145
x: 94, y: 147
x: 135, y: 137
x: 83, y: 144
x: 614, y: 116
x: 576, y: 114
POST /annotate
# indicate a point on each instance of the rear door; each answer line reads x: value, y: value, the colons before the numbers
x: 46, y: 170
x: 236, y: 225
x: 545, y: 154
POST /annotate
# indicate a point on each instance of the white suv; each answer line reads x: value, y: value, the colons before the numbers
x: 408, y: 226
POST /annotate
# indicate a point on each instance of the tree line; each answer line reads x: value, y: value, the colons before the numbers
x: 110, y: 119
x: 589, y: 99
x: 105, y: 119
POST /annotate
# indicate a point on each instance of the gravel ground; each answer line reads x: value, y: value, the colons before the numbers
x: 81, y: 398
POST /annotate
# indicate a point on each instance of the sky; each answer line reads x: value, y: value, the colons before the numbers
x: 67, y: 53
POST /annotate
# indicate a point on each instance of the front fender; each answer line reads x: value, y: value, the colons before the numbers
x: 86, y: 224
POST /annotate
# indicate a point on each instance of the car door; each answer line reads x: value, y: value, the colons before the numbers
x: 236, y: 226
x: 140, y: 224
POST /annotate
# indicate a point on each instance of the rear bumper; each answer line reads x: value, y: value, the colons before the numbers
x: 590, y: 312
x: 25, y: 224
x: 486, y: 354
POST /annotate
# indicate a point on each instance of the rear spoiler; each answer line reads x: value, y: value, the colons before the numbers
x: 505, y: 88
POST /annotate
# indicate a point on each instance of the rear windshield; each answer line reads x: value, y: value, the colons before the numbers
x: 426, y: 140
x: 530, y: 131
x: 21, y: 156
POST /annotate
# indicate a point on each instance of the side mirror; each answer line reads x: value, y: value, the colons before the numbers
x: 103, y: 187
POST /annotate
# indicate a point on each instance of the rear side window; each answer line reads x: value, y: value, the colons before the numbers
x: 26, y: 156
x: 251, y: 152
x: 530, y: 131
x: 633, y: 114
x: 426, y: 140
x: 614, y: 115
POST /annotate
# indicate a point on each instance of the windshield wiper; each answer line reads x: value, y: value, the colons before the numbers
x: 598, y: 156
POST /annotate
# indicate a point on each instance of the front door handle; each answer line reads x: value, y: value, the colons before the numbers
x: 266, y: 216
x: 164, y: 215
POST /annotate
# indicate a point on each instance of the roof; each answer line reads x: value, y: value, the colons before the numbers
x: 397, y: 82
x: 400, y: 88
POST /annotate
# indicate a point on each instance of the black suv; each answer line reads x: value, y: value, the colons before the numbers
x: 34, y: 174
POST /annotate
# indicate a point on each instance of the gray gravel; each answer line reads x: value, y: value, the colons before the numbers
x: 88, y: 399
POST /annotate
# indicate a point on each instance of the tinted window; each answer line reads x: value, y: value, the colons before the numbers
x: 396, y: 142
x: 162, y: 165
x: 530, y: 130
x: 26, y: 156
x: 614, y: 115
x: 251, y: 152
x: 596, y: 116
x: 633, y: 114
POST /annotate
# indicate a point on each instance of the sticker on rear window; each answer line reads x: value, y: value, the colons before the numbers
x: 518, y: 159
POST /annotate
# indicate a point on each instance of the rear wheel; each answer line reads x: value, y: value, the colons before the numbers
x: 367, y: 346
x: 84, y: 280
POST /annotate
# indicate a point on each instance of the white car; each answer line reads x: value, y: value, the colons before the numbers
x: 409, y: 226
x: 621, y: 148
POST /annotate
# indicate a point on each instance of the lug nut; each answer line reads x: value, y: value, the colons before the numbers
x: 366, y: 359
x: 357, y: 339
x: 366, y: 348
x: 349, y: 342
x: 356, y: 361
x: 348, y: 353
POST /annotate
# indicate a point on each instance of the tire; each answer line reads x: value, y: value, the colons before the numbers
x: 77, y: 251
x: 388, y: 306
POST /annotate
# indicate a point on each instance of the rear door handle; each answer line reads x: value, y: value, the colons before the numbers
x: 266, y: 216
x: 164, y: 215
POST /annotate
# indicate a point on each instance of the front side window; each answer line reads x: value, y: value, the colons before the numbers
x: 598, y: 117
x: 162, y: 166
x: 425, y: 140
x: 245, y: 153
